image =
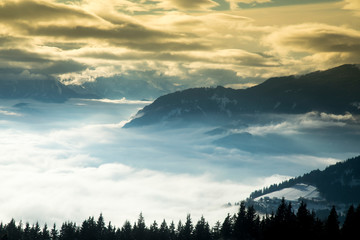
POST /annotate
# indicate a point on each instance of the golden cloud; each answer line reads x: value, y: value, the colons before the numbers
x: 315, y: 38
x: 40, y: 11
x: 188, y: 4
x: 352, y: 5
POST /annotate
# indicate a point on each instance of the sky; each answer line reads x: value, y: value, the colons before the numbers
x: 236, y: 43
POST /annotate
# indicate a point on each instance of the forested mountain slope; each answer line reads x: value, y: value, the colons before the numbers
x: 339, y: 183
x: 333, y: 91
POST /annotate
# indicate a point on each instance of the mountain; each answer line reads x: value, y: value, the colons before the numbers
x: 332, y: 91
x: 48, y: 90
x: 117, y: 87
x: 337, y: 185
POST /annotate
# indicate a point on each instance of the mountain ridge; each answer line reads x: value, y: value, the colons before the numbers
x: 45, y: 90
x: 337, y: 183
x: 332, y: 91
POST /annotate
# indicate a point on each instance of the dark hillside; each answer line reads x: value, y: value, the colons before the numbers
x: 338, y: 183
x: 332, y: 91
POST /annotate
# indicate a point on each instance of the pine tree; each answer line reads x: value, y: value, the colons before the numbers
x: 139, y: 231
x: 68, y: 231
x: 26, y: 232
x: 2, y: 230
x: 109, y: 233
x: 202, y: 230
x: 187, y: 230
x: 240, y: 226
x: 164, y: 233
x: 126, y: 231
x: 35, y: 232
x: 45, y: 234
x: 304, y: 222
x: 54, y: 233
x: 100, y: 226
x: 318, y: 231
x: 284, y: 221
x: 172, y: 231
x: 332, y: 225
x: 349, y: 228
x: 252, y: 223
x: 227, y: 228
x: 12, y: 232
x: 179, y: 230
x: 89, y: 230
x: 216, y: 231
x: 153, y: 231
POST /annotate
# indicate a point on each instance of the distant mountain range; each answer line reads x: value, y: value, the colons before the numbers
x: 335, y: 90
x: 332, y: 91
x: 117, y: 87
x: 47, y: 90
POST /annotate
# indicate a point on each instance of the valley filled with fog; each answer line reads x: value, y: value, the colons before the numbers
x: 66, y: 161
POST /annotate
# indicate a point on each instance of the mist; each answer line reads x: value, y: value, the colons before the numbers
x: 68, y: 161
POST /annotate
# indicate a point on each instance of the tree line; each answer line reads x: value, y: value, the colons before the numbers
x: 285, y: 223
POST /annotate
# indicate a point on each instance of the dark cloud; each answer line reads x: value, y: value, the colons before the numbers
x: 64, y: 66
x: 8, y: 41
x: 66, y: 45
x: 276, y: 3
x: 16, y: 74
x: 325, y: 42
x: 124, y: 32
x: 224, y: 77
x: 168, y: 46
x: 39, y: 10
x: 194, y: 4
x: 317, y: 38
x: 245, y: 58
x: 21, y: 55
x: 166, y: 56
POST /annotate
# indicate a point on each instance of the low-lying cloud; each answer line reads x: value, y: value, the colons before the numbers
x: 68, y: 161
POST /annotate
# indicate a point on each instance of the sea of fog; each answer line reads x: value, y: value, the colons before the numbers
x: 69, y: 161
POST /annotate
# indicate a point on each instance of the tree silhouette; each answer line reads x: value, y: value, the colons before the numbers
x: 332, y: 225
x: 164, y: 232
x: 349, y: 228
x: 202, y: 230
x: 69, y: 231
x: 172, y: 231
x: 252, y: 223
x: 186, y: 231
x: 45, y: 234
x: 304, y: 222
x: 284, y: 224
x: 216, y: 231
x: 240, y: 225
x: 54, y: 233
x: 139, y: 231
x: 227, y: 228
x: 100, y: 227
x: 126, y: 231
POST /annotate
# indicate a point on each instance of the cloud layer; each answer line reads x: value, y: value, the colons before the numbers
x: 72, y: 40
x: 68, y: 161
